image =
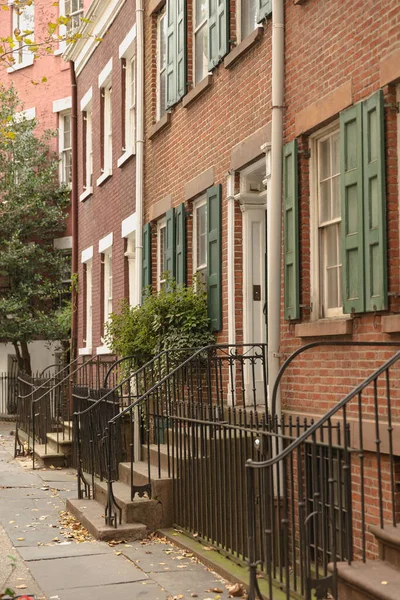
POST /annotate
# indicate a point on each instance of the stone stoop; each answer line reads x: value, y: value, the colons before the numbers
x: 140, y: 515
x: 374, y: 579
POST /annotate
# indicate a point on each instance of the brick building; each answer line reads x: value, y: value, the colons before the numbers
x: 44, y: 87
x: 202, y: 203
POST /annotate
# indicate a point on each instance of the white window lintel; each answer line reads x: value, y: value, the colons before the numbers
x: 62, y: 104
x: 86, y: 99
x: 87, y: 255
x: 126, y: 46
x: 105, y: 74
x: 128, y: 225
x: 106, y: 242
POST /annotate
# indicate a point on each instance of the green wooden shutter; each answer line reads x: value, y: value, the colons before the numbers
x: 375, y: 259
x: 218, y: 31
x: 264, y: 9
x: 169, y: 256
x: 291, y: 231
x: 214, y: 256
x: 351, y: 191
x: 146, y: 256
x: 181, y: 48
x: 171, y: 76
x: 180, y: 239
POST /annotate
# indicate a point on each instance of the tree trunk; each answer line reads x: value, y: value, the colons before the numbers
x: 23, y: 357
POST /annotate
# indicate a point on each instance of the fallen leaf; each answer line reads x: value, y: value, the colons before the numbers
x: 11, y: 522
x: 235, y: 590
x: 20, y: 539
x: 21, y: 587
x: 384, y: 582
x: 118, y: 553
x: 216, y: 590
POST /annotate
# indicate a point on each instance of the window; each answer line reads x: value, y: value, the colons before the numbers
x: 175, y: 41
x: 108, y: 284
x: 327, y: 165
x: 88, y: 307
x: 247, y: 18
x: 130, y: 256
x: 88, y: 149
x: 130, y: 104
x: 161, y: 240
x: 161, y: 63
x: 348, y: 216
x: 200, y: 40
x: 74, y: 10
x: 23, y: 29
x: 200, y: 239
x: 65, y: 147
x: 106, y: 97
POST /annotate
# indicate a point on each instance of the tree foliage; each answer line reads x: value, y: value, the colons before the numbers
x: 174, y: 318
x: 32, y: 213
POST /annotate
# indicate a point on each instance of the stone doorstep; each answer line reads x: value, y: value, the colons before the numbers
x: 91, y: 514
x: 389, y: 543
x: 372, y: 580
x: 62, y: 445
x: 49, y: 458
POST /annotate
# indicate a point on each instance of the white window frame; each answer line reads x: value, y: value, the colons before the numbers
x: 161, y: 225
x: 161, y: 22
x: 66, y: 30
x: 87, y: 113
x: 108, y: 284
x: 64, y: 151
x: 107, y: 91
x: 197, y: 204
x: 239, y: 12
x: 127, y: 52
x: 317, y: 291
x: 89, y: 305
x: 87, y: 259
x: 196, y: 29
x: 23, y: 57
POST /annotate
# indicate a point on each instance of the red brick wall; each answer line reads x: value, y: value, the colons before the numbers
x: 104, y: 211
x: 328, y: 44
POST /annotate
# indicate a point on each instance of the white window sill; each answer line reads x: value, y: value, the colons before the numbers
x: 24, y: 65
x: 126, y: 155
x: 88, y: 192
x: 59, y: 51
x: 103, y: 350
x: 325, y: 327
x: 106, y: 175
x: 85, y: 351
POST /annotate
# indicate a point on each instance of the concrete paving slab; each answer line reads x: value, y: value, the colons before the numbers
x: 31, y: 537
x: 84, y: 572
x: 142, y: 590
x: 187, y: 583
x: 153, y: 558
x: 64, y: 476
x: 64, y: 550
x: 26, y: 492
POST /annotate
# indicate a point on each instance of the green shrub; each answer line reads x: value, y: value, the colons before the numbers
x: 174, y: 318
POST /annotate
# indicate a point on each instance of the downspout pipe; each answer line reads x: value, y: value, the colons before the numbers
x: 274, y: 214
x: 139, y: 148
x: 74, y: 209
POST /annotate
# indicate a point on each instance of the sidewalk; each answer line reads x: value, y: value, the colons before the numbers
x: 53, y: 564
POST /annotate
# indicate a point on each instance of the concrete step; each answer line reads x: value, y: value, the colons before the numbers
x: 56, y: 443
x: 372, y: 580
x: 67, y: 426
x: 389, y: 544
x: 153, y: 450
x: 47, y: 457
x: 151, y: 512
x: 91, y: 514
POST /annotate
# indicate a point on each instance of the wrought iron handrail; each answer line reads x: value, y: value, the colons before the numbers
x: 116, y: 364
x: 157, y: 406
x: 304, y: 490
x: 312, y: 345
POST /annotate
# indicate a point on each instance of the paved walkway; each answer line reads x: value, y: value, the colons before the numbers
x: 41, y: 550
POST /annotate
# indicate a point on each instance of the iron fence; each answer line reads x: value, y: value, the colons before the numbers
x: 8, y: 394
x: 310, y: 500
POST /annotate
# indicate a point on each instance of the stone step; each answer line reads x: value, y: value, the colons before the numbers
x: 372, y: 580
x: 47, y: 457
x: 91, y: 514
x: 151, y: 512
x: 389, y: 544
x: 56, y: 443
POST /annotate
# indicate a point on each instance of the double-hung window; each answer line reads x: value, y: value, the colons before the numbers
x: 88, y: 145
x: 161, y: 244
x: 200, y: 240
x: 23, y: 34
x: 161, y: 63
x: 88, y: 307
x: 108, y: 284
x: 107, y: 127
x: 200, y: 35
x: 127, y: 55
x: 73, y: 9
x: 328, y: 207
x: 65, y: 147
x: 210, y: 35
x: 348, y: 216
x: 249, y: 14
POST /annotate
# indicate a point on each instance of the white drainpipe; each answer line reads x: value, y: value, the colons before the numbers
x: 274, y: 213
x: 139, y: 148
x: 230, y: 183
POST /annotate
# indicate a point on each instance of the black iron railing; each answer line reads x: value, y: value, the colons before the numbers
x: 44, y: 403
x: 214, y: 378
x: 311, y: 502
x: 94, y: 409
